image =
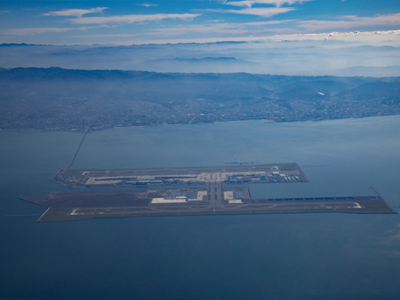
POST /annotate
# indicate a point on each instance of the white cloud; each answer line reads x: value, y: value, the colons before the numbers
x: 266, y: 23
x: 253, y: 28
x: 75, y: 12
x: 265, y: 12
x: 348, y: 22
x: 33, y: 31
x: 107, y: 36
x: 147, y: 4
x: 4, y: 11
x: 215, y: 28
x: 370, y: 37
x: 350, y: 36
x: 278, y: 3
x: 130, y: 19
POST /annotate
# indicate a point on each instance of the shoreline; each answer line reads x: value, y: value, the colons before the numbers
x: 269, y: 121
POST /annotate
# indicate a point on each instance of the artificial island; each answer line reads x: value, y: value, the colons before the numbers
x: 188, y: 191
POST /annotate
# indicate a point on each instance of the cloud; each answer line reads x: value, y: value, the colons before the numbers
x: 130, y: 19
x: 265, y: 12
x: 222, y: 28
x: 75, y: 12
x: 347, y: 36
x: 147, y: 4
x: 278, y: 3
x: 33, y: 31
x: 107, y: 36
x: 280, y: 34
x: 4, y: 11
x: 211, y: 28
x: 267, y: 23
x: 348, y: 22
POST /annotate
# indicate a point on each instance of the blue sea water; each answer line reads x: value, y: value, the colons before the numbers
x: 282, y: 256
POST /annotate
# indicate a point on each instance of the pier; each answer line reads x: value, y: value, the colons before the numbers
x: 77, y: 150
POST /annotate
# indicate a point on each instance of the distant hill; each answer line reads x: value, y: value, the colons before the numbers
x: 370, y: 71
x: 200, y: 65
x: 386, y: 92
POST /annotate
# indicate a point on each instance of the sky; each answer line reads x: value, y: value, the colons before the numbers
x: 184, y: 21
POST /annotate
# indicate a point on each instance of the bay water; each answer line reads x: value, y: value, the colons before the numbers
x: 271, y: 256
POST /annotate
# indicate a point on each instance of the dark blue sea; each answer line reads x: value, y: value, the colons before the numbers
x: 281, y: 256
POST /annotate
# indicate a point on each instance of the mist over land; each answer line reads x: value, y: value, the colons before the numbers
x: 286, y: 57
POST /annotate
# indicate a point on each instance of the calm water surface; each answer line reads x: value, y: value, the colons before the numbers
x: 290, y: 256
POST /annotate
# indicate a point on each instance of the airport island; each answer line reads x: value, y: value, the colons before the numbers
x: 189, y: 191
x: 237, y: 174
